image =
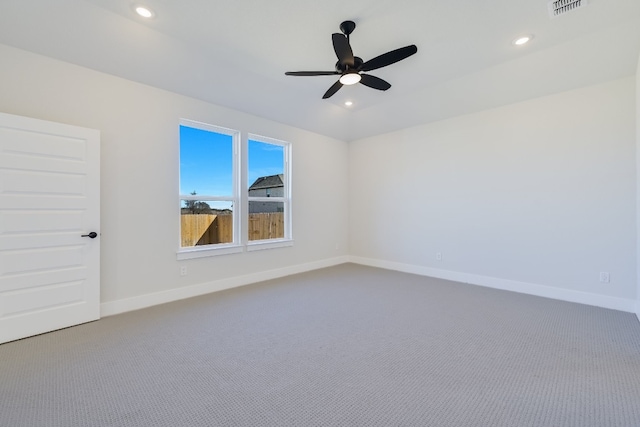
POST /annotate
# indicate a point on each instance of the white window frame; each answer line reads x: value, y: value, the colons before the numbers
x: 287, y: 240
x: 236, y: 245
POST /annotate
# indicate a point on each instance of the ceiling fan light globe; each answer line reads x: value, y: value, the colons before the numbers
x: 350, y: 78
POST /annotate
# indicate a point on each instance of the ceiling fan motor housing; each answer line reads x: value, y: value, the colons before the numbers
x: 343, y: 68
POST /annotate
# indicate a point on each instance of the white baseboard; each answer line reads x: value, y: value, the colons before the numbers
x: 135, y: 303
x: 621, y: 304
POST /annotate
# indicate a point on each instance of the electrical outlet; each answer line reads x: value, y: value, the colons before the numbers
x: 183, y: 270
x: 439, y: 256
x: 604, y: 277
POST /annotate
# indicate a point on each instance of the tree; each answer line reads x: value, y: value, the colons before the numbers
x: 196, y: 207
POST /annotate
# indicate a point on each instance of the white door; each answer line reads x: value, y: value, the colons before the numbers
x: 49, y: 199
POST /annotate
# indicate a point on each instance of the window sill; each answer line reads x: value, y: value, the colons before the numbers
x: 259, y: 245
x: 192, y: 253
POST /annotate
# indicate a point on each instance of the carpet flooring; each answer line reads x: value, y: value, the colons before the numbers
x: 343, y: 346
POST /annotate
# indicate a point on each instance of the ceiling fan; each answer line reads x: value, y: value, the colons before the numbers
x: 351, y: 68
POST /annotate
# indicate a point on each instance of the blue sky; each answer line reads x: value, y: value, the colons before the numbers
x: 206, y: 160
x: 264, y: 160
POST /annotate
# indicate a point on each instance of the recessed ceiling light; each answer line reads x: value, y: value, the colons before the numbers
x: 522, y: 40
x: 145, y: 12
x: 348, y: 103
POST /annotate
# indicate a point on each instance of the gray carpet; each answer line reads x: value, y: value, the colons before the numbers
x: 344, y: 346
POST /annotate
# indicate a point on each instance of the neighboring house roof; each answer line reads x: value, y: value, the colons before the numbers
x: 271, y: 181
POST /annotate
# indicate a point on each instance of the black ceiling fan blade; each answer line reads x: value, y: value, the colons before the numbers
x: 389, y: 58
x: 311, y: 73
x: 333, y: 89
x: 374, y: 82
x: 343, y: 49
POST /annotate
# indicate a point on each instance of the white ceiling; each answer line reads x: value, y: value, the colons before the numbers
x: 235, y: 53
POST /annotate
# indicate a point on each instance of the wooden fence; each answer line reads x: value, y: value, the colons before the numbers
x: 206, y: 229
x: 266, y: 225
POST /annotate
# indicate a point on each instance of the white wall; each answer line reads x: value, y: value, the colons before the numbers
x: 537, y: 197
x: 139, y: 214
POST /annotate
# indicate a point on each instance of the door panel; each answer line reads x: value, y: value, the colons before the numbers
x: 41, y: 183
x: 51, y: 296
x: 38, y: 279
x: 49, y: 198
x: 50, y: 259
x: 40, y: 221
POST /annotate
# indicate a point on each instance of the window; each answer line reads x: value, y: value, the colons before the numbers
x: 209, y: 165
x: 213, y: 211
x: 269, y: 191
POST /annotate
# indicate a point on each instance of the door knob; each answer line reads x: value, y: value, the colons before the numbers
x: 92, y: 235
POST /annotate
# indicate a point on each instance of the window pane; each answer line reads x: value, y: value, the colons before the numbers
x: 266, y: 169
x: 266, y: 220
x: 206, y: 162
x: 205, y: 222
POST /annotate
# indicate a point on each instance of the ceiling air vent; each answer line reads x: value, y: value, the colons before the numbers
x: 560, y: 7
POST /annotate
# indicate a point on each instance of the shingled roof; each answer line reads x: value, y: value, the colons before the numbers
x: 271, y: 181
